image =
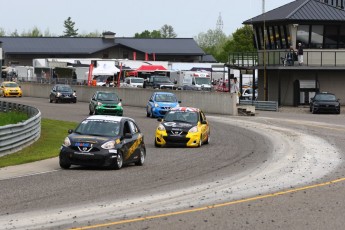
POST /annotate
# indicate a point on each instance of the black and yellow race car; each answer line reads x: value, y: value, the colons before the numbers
x: 183, y: 126
x: 101, y: 140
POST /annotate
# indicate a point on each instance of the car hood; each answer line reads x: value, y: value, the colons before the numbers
x: 110, y: 102
x: 12, y: 88
x: 164, y: 83
x: 328, y: 102
x: 177, y: 126
x: 96, y: 140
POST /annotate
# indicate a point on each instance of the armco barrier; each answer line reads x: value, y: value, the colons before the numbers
x: 262, y: 105
x: 14, y: 137
x: 209, y: 102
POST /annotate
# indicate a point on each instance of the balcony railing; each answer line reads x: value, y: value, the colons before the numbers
x: 312, y: 58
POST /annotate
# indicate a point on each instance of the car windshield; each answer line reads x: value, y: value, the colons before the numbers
x: 202, y: 81
x: 11, y: 85
x: 161, y: 80
x: 137, y: 80
x: 98, y: 128
x: 182, y: 116
x: 325, y: 97
x: 64, y: 88
x: 107, y: 97
x: 165, y: 98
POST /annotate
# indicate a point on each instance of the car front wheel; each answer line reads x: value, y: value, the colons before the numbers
x: 64, y: 165
x: 118, y: 162
x: 142, y: 156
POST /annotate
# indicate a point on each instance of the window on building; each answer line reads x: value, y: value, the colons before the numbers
x: 331, y: 37
x: 284, y: 39
x: 303, y: 35
x: 278, y: 37
x: 261, y: 38
x: 271, y: 38
x: 125, y: 55
x: 316, y: 37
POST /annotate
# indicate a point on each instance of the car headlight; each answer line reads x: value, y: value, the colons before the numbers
x: 99, y: 103
x: 193, y: 130
x: 120, y: 104
x: 316, y: 104
x: 108, y: 145
x: 156, y: 105
x: 58, y: 94
x: 67, y: 142
x: 161, y: 127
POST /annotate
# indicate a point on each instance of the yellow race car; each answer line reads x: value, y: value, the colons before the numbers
x: 10, y: 89
x: 183, y: 126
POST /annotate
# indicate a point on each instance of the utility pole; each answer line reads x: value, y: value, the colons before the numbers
x: 264, y: 61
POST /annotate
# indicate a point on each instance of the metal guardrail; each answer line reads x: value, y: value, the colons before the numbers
x: 262, y: 105
x: 14, y: 137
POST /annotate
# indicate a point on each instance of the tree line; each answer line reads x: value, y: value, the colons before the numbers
x: 214, y: 42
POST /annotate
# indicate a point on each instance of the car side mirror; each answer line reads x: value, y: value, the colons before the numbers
x: 175, y: 82
x: 120, y: 99
x: 203, y: 122
x: 179, y: 102
x: 70, y: 131
x: 160, y: 119
x: 150, y: 100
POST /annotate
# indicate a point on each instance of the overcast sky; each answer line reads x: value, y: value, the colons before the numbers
x: 125, y: 18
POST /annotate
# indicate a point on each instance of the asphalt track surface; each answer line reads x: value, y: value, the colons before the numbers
x: 277, y: 170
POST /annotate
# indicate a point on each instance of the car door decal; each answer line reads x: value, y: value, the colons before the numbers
x: 134, y: 146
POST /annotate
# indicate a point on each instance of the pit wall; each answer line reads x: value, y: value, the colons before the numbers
x: 209, y: 102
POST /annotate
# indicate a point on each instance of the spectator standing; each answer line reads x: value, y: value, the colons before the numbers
x: 235, y: 89
x: 290, y: 57
x: 300, y: 54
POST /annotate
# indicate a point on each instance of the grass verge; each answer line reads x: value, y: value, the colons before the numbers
x: 53, y: 133
x: 12, y: 118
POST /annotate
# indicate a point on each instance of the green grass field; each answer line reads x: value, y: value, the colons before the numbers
x: 12, y: 118
x: 53, y: 133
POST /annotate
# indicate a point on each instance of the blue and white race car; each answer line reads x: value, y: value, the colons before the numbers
x: 160, y: 103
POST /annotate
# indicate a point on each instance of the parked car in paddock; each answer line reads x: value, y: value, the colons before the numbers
x: 105, y: 103
x: 324, y: 102
x: 106, y: 141
x: 183, y: 126
x: 160, y: 103
x: 247, y: 94
x: 62, y: 93
x: 10, y: 89
x: 136, y: 82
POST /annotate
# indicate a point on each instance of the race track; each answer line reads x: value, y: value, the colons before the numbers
x: 178, y: 188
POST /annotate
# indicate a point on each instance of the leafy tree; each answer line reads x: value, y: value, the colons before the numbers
x: 35, y: 32
x: 94, y: 34
x: 15, y: 33
x: 148, y: 34
x: 69, y: 28
x: 212, y: 42
x: 167, y: 31
x: 47, y: 33
x: 2, y: 32
x: 242, y: 41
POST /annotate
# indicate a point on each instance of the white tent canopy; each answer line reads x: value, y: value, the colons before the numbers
x: 105, y: 68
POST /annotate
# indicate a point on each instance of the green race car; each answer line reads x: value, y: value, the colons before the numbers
x: 105, y: 103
